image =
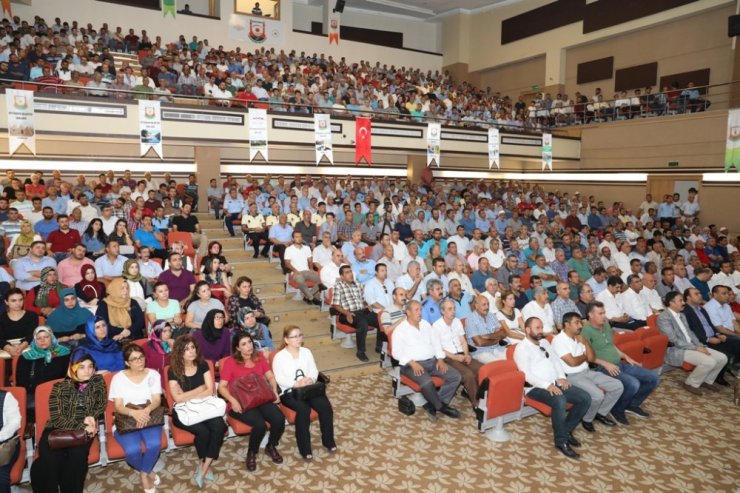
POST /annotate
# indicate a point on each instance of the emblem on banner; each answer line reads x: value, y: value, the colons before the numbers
x: 149, y: 112
x: 20, y: 102
x: 257, y: 31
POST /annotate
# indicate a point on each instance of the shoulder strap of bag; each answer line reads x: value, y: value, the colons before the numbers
x: 299, y: 374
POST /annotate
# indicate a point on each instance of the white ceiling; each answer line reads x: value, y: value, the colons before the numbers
x: 421, y: 9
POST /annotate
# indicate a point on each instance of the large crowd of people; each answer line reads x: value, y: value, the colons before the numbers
x: 66, y: 57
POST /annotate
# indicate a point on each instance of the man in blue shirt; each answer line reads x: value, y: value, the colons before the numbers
x: 480, y: 276
x: 146, y: 236
x: 47, y: 224
x: 233, y: 205
x: 430, y: 306
x: 484, y: 332
x: 362, y: 267
x: 281, y: 235
x: 460, y: 298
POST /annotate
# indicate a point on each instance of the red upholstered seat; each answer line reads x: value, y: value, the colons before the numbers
x: 505, y: 386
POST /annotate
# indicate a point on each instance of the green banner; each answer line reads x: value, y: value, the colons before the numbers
x: 169, y: 7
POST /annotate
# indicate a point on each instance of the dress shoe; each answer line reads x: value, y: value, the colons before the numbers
x: 573, y: 441
x: 588, y: 426
x: 251, y: 461
x: 567, y: 451
x: 605, y: 420
x: 255, y: 255
x: 431, y: 411
x: 691, y: 389
x: 362, y: 356
x: 637, y: 411
x: 450, y: 411
x: 621, y: 418
x: 722, y: 382
x: 316, y: 302
x: 271, y: 451
x: 711, y: 386
x: 734, y: 371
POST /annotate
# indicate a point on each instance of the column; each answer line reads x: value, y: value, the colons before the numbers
x: 207, y: 167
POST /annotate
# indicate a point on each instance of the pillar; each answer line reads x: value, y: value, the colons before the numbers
x: 416, y: 164
x: 207, y: 167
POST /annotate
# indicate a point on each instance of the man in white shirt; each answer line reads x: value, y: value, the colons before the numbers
x: 421, y: 357
x: 725, y: 277
x: 548, y: 384
x: 298, y: 260
x: 400, y: 251
x: 462, y: 242
x: 650, y: 294
x: 412, y: 281
x: 611, y: 298
x: 378, y: 291
x: 323, y: 252
x: 330, y: 272
x: 540, y: 307
x: 575, y: 353
x: 720, y: 312
x: 633, y: 302
x: 684, y: 347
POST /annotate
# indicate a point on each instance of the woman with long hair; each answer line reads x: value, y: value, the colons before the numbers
x: 200, y: 303
x: 69, y: 320
x: 215, y: 249
x: 94, y: 238
x: 190, y: 377
x: 44, y: 298
x: 161, y: 307
x: 75, y: 403
x: 216, y: 278
x: 120, y: 233
x: 123, y: 315
x: 213, y: 337
x: 294, y: 367
x: 104, y: 349
x: 244, y: 297
x: 90, y: 290
x: 245, y: 360
x: 510, y: 317
x: 16, y: 324
x: 159, y: 346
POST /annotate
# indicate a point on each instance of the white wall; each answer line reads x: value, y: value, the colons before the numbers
x: 216, y: 31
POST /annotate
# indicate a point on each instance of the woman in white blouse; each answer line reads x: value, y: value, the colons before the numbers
x: 295, y: 367
x: 510, y: 317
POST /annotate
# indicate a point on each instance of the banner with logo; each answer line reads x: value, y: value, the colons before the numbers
x: 169, y: 7
x: 334, y: 22
x: 363, y: 140
x: 257, y: 31
x: 493, y: 148
x: 150, y: 127
x: 434, y: 131
x: 322, y: 137
x: 20, y: 120
x: 257, y: 133
x: 546, y: 151
x: 732, y: 149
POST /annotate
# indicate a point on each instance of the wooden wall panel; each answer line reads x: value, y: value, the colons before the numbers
x: 608, y: 13
x: 698, y: 77
x: 594, y: 70
x: 542, y: 19
x: 636, y: 77
x: 363, y: 35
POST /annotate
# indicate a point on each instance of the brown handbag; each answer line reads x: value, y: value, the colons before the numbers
x: 126, y: 424
x: 251, y: 391
x: 60, y: 439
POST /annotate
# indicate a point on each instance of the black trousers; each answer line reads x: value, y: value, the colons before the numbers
x: 731, y: 348
x: 257, y: 419
x: 209, y: 436
x: 362, y: 319
x: 631, y: 325
x: 61, y: 470
x: 281, y: 251
x: 256, y: 237
x: 303, y: 420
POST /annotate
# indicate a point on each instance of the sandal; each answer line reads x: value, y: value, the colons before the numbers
x: 308, y: 457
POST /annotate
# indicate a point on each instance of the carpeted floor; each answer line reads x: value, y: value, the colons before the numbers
x: 690, y: 444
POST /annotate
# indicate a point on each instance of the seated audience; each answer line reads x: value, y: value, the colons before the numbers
x: 200, y: 303
x: 45, y: 297
x: 244, y: 297
x: 563, y: 304
x: 139, y: 288
x: 105, y: 350
x: 159, y: 346
x: 89, y: 289
x: 68, y: 322
x: 510, y: 317
x: 540, y: 307
x: 298, y: 262
x: 260, y: 333
x: 11, y: 423
x: 349, y: 303
x: 212, y: 336
x: 217, y: 279
x: 122, y: 314
x: 16, y: 324
x: 181, y: 282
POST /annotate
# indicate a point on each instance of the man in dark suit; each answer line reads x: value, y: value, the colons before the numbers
x: 701, y: 325
x: 684, y: 347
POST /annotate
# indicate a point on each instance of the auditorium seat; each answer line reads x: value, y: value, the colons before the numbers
x: 501, y: 386
x: 185, y: 238
x: 16, y: 473
x: 180, y: 437
x: 291, y: 287
x: 656, y: 345
x: 630, y: 344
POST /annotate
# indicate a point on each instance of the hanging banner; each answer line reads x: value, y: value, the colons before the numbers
x: 169, y: 7
x: 493, y: 148
x: 732, y: 150
x: 150, y: 127
x: 20, y: 120
x: 363, y: 140
x: 334, y: 22
x: 242, y: 28
x: 322, y: 136
x: 257, y: 133
x: 433, y: 135
x: 7, y: 9
x: 546, y: 151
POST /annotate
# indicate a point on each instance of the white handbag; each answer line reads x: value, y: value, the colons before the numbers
x: 196, y: 411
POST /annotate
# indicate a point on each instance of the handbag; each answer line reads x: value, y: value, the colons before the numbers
x: 316, y: 389
x: 125, y: 423
x: 60, y: 439
x: 406, y: 406
x: 251, y: 390
x: 196, y: 411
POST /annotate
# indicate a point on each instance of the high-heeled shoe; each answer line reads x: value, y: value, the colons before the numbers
x: 198, y: 478
x: 210, y: 476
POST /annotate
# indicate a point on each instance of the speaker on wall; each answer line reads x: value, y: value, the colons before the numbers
x: 339, y: 7
x: 733, y: 25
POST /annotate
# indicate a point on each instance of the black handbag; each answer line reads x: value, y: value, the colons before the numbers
x: 406, y: 406
x: 317, y: 389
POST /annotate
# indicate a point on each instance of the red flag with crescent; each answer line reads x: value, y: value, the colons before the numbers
x: 363, y: 142
x: 7, y: 8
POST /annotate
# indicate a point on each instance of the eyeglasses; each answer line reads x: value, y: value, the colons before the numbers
x: 136, y: 359
x: 297, y: 336
x: 547, y: 355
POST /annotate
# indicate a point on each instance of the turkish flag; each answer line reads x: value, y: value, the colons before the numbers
x: 363, y: 146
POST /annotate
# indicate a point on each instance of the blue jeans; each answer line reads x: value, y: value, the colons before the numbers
x: 131, y: 443
x: 564, y: 422
x: 638, y: 384
x: 228, y: 219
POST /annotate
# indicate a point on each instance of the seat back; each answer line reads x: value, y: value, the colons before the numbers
x: 656, y: 345
x: 652, y: 322
x: 630, y: 344
x: 505, y: 387
x: 186, y: 238
x: 16, y: 472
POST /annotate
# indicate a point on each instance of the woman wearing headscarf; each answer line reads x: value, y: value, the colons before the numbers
x: 89, y: 289
x: 212, y: 338
x: 69, y: 320
x: 75, y: 403
x: 159, y: 347
x: 44, y: 298
x: 20, y: 244
x: 122, y: 314
x: 104, y: 349
x: 139, y: 288
x: 45, y: 359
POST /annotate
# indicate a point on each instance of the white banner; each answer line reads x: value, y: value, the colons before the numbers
x: 434, y: 131
x: 257, y: 133
x: 20, y: 120
x: 322, y: 137
x: 150, y: 127
x: 493, y: 148
x: 732, y: 148
x: 546, y: 151
x: 258, y: 31
x: 334, y: 22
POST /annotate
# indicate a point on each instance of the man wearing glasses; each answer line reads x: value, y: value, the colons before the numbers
x: 546, y: 382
